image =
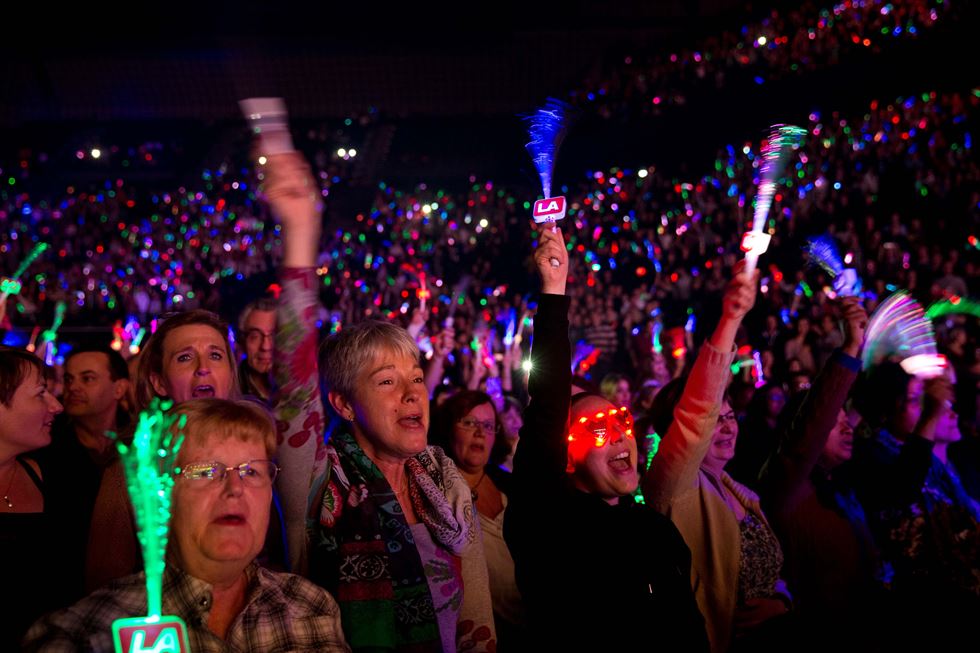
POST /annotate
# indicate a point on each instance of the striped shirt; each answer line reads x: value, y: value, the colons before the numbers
x: 282, y: 612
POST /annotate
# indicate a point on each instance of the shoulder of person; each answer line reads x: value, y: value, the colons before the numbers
x: 99, y: 609
x: 744, y: 494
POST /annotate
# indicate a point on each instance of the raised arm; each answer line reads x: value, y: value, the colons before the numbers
x: 913, y: 463
x: 542, y: 455
x: 442, y: 346
x: 291, y: 192
x: 787, y: 473
x: 686, y: 442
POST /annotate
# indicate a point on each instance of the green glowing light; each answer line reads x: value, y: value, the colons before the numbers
x: 149, y: 465
x: 26, y: 263
x: 654, y: 446
x: 59, y: 316
x: 954, y: 306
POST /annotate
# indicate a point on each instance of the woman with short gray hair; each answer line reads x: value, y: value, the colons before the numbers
x: 394, y: 534
x: 390, y: 529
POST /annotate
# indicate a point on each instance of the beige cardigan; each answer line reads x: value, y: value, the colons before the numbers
x: 677, y: 486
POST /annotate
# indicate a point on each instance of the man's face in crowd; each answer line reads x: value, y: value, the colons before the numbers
x: 260, y: 332
x: 89, y: 388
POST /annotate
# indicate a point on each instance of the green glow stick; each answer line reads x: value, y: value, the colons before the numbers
x: 11, y: 285
x: 954, y: 305
x: 26, y: 263
x: 48, y: 346
x: 59, y: 316
x: 149, y: 464
x: 657, y: 347
x: 654, y: 440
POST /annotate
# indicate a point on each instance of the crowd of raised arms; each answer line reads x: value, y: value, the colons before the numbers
x: 438, y: 426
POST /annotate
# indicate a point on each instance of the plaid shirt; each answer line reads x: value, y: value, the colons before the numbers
x: 282, y: 612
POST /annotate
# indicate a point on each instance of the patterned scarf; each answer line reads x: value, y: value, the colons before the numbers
x: 363, y: 550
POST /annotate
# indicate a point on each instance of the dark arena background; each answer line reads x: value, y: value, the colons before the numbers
x: 133, y: 188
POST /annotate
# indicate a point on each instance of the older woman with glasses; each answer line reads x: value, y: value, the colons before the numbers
x: 191, y: 357
x: 736, y: 557
x: 221, y: 499
x: 468, y: 429
x: 597, y: 570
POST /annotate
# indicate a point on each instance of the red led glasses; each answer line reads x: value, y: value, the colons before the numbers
x: 602, y: 426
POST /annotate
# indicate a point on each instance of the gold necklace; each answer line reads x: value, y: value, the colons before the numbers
x: 10, y: 484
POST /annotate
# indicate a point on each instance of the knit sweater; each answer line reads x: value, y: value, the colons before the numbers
x: 680, y: 488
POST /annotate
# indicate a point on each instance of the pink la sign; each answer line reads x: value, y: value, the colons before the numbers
x: 549, y: 209
x: 148, y: 635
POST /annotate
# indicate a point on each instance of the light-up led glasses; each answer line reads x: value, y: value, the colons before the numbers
x: 602, y: 426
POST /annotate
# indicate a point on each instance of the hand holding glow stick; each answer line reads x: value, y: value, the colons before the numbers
x: 823, y: 252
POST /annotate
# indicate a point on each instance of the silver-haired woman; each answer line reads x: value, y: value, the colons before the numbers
x: 391, y: 530
x: 394, y: 534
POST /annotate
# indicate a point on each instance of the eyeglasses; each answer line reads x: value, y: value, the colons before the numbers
x: 471, y: 424
x: 254, y: 473
x: 601, y: 426
x: 727, y: 417
x: 257, y: 335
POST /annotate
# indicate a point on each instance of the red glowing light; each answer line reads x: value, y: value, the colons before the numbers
x: 598, y: 428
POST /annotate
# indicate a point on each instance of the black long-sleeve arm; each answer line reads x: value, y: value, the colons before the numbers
x: 542, y: 452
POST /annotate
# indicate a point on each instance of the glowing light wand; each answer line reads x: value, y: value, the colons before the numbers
x: 422, y: 293
x: 823, y: 252
x: 782, y: 140
x: 547, y: 128
x: 899, y: 327
x: 149, y: 463
x: 11, y: 285
x: 954, y: 306
x: 49, y: 335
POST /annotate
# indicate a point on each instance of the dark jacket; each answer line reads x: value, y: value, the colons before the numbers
x: 829, y: 553
x: 593, y: 576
